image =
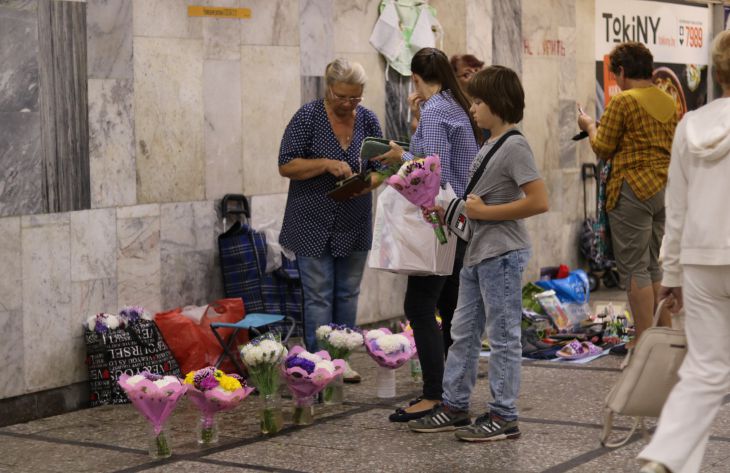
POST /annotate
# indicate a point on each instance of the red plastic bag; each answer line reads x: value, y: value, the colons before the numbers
x: 194, y: 346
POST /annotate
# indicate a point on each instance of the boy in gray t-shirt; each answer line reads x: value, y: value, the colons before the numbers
x: 508, y: 190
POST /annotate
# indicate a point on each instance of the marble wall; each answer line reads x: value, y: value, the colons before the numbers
x: 184, y: 110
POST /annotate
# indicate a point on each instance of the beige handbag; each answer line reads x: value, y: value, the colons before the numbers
x: 648, y: 375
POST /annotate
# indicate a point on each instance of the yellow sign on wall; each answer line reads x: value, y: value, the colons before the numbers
x: 219, y: 12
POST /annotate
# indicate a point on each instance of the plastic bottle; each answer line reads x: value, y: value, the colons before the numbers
x: 416, y: 373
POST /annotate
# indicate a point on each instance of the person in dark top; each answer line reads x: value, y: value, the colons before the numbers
x: 320, y: 146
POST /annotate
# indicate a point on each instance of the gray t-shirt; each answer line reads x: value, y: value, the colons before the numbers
x: 512, y: 166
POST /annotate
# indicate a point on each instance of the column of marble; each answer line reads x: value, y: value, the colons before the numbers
x: 138, y: 256
x: 222, y: 133
x: 50, y: 356
x: 316, y: 42
x: 168, y: 102
x: 64, y: 117
x: 190, y: 274
x: 111, y: 103
x: 479, y: 29
x: 507, y: 33
x: 452, y: 14
x: 12, y: 348
x: 21, y: 191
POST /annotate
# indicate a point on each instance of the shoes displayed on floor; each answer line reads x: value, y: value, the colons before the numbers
x: 489, y: 428
x: 440, y: 419
x: 350, y: 375
x: 619, y: 350
x: 654, y: 467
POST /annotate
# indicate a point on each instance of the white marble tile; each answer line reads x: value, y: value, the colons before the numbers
x: 187, y: 226
x: 166, y: 19
x: 138, y: 262
x: 572, y: 196
x: 46, y: 302
x: 312, y: 87
x: 374, y: 92
x: 19, y: 81
x: 93, y: 244
x: 263, y: 136
x: 222, y: 36
x: 353, y: 22
x: 109, y: 39
x: 76, y: 370
x: 268, y: 210
x: 567, y: 126
x: 11, y: 352
x: 568, y: 64
x: 91, y: 297
x: 479, y: 19
x: 21, y: 156
x: 138, y: 211
x: 11, y: 295
x: 540, y: 81
x: 507, y: 34
x: 111, y: 143
x: 188, y: 278
x: 223, y: 135
x: 169, y: 119
x: 316, y: 35
x: 272, y: 23
x: 452, y: 16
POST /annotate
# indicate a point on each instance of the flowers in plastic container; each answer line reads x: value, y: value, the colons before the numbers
x: 262, y: 357
x: 213, y: 391
x: 338, y: 340
x: 306, y: 374
x: 419, y: 180
x: 155, y: 397
x: 389, y: 350
x: 132, y: 314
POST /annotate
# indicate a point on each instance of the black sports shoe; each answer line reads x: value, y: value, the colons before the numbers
x: 488, y: 428
x: 440, y: 420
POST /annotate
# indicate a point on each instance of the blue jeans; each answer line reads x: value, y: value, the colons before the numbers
x: 490, y: 295
x: 331, y: 287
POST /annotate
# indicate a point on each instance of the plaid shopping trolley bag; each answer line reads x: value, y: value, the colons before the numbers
x: 243, y: 263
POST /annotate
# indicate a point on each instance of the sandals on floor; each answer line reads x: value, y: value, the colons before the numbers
x: 576, y: 350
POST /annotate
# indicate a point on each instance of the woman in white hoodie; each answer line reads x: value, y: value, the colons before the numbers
x: 697, y: 268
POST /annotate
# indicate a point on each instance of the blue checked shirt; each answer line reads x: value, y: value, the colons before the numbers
x: 444, y: 129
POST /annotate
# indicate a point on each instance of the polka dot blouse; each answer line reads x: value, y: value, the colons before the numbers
x: 315, y: 225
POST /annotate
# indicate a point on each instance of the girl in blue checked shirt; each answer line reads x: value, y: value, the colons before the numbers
x: 445, y: 128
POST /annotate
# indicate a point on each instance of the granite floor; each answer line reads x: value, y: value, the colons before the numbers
x: 560, y: 406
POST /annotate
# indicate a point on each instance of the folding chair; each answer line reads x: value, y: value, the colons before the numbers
x: 252, y: 322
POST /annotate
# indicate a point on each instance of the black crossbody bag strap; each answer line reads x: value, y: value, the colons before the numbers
x: 478, y: 173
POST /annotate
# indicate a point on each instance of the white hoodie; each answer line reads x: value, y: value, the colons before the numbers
x: 698, y: 208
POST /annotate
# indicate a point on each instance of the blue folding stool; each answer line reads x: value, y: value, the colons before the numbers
x: 252, y: 322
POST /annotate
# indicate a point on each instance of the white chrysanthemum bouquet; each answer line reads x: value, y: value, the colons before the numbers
x: 263, y: 357
x: 338, y: 340
x: 390, y: 351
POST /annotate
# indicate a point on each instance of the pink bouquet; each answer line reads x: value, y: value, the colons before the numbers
x: 389, y: 350
x: 155, y: 397
x: 213, y: 391
x: 419, y: 181
x: 307, y: 374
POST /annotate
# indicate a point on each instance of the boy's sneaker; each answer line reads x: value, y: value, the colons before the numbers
x: 440, y: 419
x: 488, y: 428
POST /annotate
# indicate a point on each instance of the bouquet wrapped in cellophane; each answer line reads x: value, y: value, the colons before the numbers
x: 338, y: 341
x: 262, y: 357
x: 419, y: 180
x: 213, y: 391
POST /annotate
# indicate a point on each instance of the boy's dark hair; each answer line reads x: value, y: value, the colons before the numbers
x: 433, y: 66
x: 468, y: 59
x: 634, y: 57
x: 500, y: 88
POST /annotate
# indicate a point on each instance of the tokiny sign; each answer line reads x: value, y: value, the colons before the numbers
x: 677, y: 34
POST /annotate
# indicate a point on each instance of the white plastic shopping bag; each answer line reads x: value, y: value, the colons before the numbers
x: 404, y: 243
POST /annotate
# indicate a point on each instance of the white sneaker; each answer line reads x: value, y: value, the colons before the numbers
x: 350, y: 375
x: 653, y: 467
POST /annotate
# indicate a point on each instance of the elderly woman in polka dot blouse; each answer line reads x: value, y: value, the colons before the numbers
x: 321, y: 145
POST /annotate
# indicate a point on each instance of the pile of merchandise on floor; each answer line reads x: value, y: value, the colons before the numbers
x: 558, y: 322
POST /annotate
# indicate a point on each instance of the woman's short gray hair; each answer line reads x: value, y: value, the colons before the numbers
x: 342, y: 70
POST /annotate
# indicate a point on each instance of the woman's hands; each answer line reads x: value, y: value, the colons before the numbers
x: 339, y: 169
x: 392, y: 157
